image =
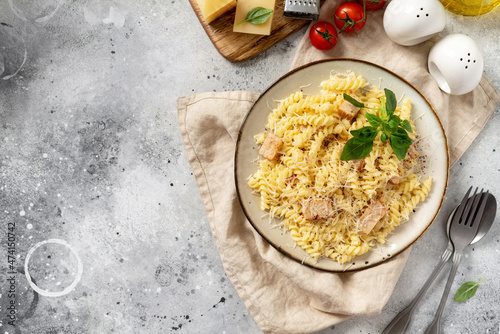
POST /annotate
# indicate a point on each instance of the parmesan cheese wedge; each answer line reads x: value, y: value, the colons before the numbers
x: 242, y: 9
x: 212, y: 9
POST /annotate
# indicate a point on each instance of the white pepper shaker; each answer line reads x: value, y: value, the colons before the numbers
x: 410, y: 22
x: 456, y: 63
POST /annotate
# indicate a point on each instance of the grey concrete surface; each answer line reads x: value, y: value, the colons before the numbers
x: 91, y: 154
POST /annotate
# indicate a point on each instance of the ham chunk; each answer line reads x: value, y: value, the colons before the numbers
x: 359, y: 164
x: 372, y: 216
x: 394, y: 180
x: 348, y: 110
x: 317, y: 208
x: 270, y: 147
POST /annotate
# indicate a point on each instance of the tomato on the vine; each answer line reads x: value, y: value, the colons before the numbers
x: 373, y: 5
x: 350, y: 17
x: 323, y: 35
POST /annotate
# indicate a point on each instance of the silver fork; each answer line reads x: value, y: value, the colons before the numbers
x: 463, y: 230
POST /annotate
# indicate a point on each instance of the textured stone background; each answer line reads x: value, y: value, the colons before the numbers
x: 91, y: 154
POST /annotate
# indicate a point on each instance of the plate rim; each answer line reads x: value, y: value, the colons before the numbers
x: 239, y: 139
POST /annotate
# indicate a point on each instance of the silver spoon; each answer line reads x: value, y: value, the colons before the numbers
x: 399, y: 324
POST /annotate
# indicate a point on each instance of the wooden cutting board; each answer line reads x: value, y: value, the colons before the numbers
x: 237, y: 47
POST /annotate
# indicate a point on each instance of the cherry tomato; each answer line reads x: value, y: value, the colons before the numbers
x: 323, y: 35
x: 350, y: 17
x: 373, y: 5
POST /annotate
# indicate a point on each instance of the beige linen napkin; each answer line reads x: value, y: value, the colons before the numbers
x: 282, y: 295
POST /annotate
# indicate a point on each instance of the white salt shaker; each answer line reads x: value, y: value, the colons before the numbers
x: 410, y: 22
x: 456, y: 63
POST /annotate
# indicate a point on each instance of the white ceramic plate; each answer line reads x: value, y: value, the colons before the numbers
x: 433, y: 146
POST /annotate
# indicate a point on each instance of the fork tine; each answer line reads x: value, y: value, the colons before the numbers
x: 471, y: 207
x: 480, y: 211
x: 461, y: 207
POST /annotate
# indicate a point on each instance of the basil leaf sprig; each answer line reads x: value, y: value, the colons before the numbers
x: 467, y: 290
x: 257, y: 15
x: 394, y: 129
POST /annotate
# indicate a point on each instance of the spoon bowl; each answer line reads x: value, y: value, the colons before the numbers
x: 487, y: 219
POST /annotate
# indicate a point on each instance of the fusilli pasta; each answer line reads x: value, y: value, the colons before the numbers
x: 309, y: 167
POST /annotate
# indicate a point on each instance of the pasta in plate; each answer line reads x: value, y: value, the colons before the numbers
x: 322, y: 199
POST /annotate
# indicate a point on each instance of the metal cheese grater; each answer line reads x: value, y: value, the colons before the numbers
x: 302, y: 9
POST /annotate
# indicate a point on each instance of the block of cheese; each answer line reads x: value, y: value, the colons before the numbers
x: 242, y: 9
x: 212, y: 9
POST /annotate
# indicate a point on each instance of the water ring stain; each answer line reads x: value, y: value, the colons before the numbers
x: 53, y: 293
